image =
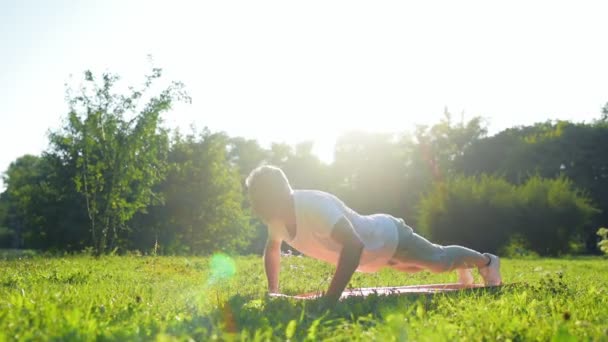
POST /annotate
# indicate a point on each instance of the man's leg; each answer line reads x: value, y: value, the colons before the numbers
x: 422, y: 253
x: 414, y: 250
x: 461, y: 257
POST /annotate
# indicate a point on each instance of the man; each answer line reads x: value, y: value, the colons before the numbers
x: 321, y: 226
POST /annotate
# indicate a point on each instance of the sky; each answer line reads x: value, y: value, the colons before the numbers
x: 289, y: 71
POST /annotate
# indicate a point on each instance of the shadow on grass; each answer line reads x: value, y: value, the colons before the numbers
x: 268, y: 318
x: 274, y: 316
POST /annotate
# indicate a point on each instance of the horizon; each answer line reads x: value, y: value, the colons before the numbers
x: 333, y: 67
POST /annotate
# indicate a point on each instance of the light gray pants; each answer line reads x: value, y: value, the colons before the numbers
x: 415, y: 253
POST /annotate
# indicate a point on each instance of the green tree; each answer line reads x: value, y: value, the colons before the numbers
x: 380, y: 172
x: 245, y: 155
x: 43, y: 210
x: 6, y: 234
x: 118, y: 147
x: 21, y: 181
x: 550, y: 150
x: 202, y: 211
x: 442, y: 144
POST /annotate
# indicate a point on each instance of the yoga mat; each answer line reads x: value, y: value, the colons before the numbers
x: 402, y: 290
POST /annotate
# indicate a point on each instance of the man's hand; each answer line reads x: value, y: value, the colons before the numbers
x: 272, y: 264
x: 352, y: 247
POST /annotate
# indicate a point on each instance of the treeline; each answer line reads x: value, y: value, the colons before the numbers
x: 114, y: 179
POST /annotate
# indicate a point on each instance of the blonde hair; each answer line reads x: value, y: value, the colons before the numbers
x: 269, y: 180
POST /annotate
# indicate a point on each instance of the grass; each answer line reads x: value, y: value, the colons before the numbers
x: 182, y: 298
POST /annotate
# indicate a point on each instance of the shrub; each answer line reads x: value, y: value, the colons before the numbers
x: 603, y: 245
x: 517, y: 247
x: 487, y: 213
x: 552, y: 214
x: 469, y: 211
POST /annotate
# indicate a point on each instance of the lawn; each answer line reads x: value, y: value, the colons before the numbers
x: 181, y: 298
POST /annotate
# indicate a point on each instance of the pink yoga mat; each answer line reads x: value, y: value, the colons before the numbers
x: 397, y: 290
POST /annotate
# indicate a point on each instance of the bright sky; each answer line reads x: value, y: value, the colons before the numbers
x: 299, y: 70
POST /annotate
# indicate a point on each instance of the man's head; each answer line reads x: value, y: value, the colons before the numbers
x: 269, y: 192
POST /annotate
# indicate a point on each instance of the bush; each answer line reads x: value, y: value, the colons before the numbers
x: 517, y: 247
x: 468, y: 211
x: 487, y: 213
x: 552, y: 214
x: 603, y: 245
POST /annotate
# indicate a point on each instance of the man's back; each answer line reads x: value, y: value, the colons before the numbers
x: 316, y: 214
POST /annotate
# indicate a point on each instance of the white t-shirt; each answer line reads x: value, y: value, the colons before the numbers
x: 316, y: 214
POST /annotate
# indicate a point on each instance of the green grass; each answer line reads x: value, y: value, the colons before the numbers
x: 166, y: 298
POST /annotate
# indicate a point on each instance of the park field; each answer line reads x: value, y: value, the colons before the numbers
x: 120, y: 298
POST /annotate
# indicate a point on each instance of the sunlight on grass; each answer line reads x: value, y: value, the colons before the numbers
x: 223, y: 298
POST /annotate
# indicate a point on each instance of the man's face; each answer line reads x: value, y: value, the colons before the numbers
x: 265, y: 209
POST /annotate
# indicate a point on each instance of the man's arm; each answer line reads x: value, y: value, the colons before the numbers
x: 352, y: 247
x: 272, y: 264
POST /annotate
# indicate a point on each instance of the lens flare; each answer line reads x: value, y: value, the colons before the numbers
x: 221, y: 267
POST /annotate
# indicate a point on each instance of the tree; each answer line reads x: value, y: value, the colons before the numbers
x: 21, y: 181
x: 118, y: 148
x: 6, y: 234
x: 245, y: 155
x: 305, y: 170
x: 368, y: 172
x: 550, y: 150
x: 444, y: 143
x: 380, y: 172
x: 202, y: 212
x: 43, y: 210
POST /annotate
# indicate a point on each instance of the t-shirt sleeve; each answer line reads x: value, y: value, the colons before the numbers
x: 326, y: 213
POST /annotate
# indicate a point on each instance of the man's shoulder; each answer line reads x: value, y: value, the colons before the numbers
x: 314, y: 195
x: 318, y: 206
x: 315, y: 200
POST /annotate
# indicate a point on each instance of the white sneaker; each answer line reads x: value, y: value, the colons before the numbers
x: 465, y: 276
x: 491, y: 272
